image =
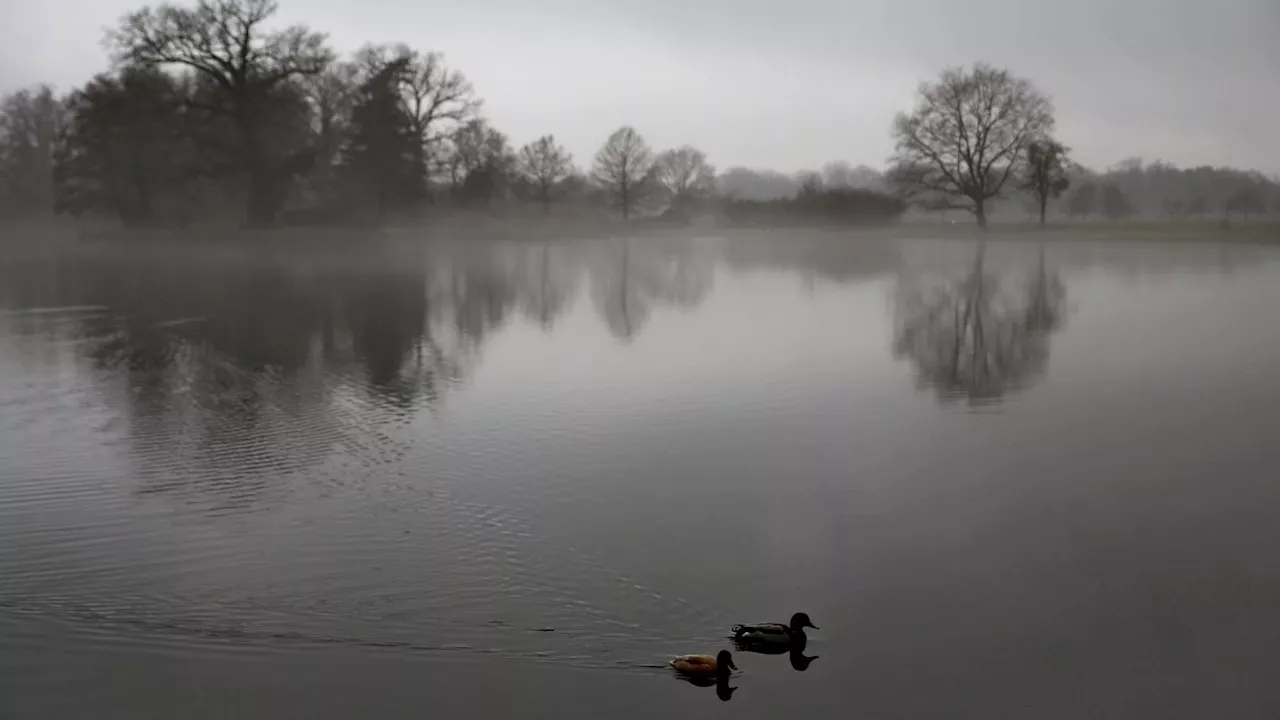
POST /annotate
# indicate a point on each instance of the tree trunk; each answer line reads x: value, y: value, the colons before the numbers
x: 1044, y: 202
x: 980, y: 211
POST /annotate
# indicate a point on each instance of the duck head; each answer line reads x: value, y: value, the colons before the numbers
x: 800, y: 621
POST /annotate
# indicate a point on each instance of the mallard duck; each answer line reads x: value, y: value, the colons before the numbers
x: 776, y: 634
x: 794, y: 649
x: 717, y: 666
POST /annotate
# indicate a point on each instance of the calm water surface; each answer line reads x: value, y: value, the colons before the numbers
x: 512, y: 479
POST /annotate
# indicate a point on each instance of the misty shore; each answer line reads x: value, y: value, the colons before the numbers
x: 63, y: 234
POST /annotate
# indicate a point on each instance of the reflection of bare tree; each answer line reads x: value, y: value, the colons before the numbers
x: 635, y: 275
x: 616, y: 294
x: 1045, y: 295
x: 972, y: 338
x: 552, y: 278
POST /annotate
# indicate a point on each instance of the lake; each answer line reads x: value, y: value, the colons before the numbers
x: 401, y: 479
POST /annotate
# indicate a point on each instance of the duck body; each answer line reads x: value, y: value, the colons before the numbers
x: 704, y: 665
x: 779, y: 635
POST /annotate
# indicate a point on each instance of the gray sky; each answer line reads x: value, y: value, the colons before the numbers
x: 790, y: 84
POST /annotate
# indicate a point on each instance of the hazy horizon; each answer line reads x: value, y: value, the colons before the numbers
x: 790, y: 86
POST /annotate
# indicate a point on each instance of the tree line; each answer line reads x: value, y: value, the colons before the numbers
x: 211, y: 111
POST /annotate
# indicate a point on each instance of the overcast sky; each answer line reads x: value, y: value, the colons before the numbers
x: 789, y: 84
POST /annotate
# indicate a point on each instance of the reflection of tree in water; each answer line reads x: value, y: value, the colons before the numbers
x: 233, y: 372
x: 232, y: 367
x: 975, y: 338
x: 632, y: 276
x: 1045, y: 298
x: 551, y: 274
x: 384, y: 318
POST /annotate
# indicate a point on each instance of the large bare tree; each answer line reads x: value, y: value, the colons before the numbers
x: 1045, y: 172
x: 966, y: 135
x: 685, y: 176
x: 623, y: 169
x: 226, y: 43
x: 544, y: 164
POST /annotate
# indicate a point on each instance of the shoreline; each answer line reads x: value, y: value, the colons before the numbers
x: 17, y: 236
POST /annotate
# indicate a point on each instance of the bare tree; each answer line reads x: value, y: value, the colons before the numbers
x: 685, y: 176
x: 623, y: 169
x: 965, y: 137
x: 544, y: 164
x: 1045, y: 172
x: 224, y: 42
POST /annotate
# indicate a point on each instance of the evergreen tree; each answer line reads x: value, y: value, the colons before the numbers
x: 383, y: 159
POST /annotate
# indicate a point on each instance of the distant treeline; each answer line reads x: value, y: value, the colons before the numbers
x: 269, y: 125
x: 1157, y: 189
x: 211, y: 112
x: 838, y: 206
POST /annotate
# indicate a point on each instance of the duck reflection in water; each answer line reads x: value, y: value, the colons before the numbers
x: 724, y: 691
x: 707, y: 671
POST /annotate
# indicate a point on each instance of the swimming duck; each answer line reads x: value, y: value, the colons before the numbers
x: 794, y: 650
x: 777, y: 634
x: 717, y: 666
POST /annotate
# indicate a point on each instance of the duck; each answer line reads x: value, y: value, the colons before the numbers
x: 794, y: 650
x: 705, y: 666
x: 774, y: 634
